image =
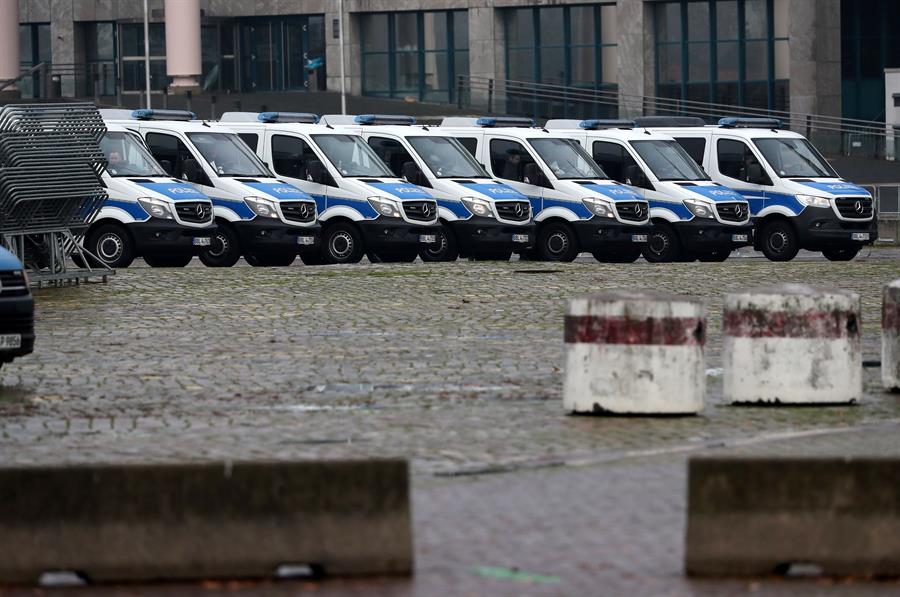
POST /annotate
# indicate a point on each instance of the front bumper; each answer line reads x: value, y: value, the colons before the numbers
x: 17, y: 317
x: 603, y: 233
x: 165, y: 237
x: 273, y: 236
x: 706, y: 234
x: 487, y: 234
x: 384, y: 233
x: 819, y: 228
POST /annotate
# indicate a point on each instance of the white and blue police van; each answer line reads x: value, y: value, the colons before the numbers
x: 693, y: 217
x: 797, y: 200
x: 363, y: 207
x: 147, y: 213
x: 16, y: 309
x: 257, y: 215
x: 481, y: 218
x: 575, y: 205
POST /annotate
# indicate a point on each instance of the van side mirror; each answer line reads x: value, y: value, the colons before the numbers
x: 166, y: 165
x: 414, y: 175
x: 192, y: 171
x: 534, y: 175
x: 316, y: 172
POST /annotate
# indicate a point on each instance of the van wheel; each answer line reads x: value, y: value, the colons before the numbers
x: 112, y: 244
x: 779, y: 241
x: 445, y: 249
x: 270, y: 259
x: 342, y: 243
x: 662, y: 245
x: 557, y: 242
x: 629, y: 255
x: 841, y: 254
x: 167, y: 260
x: 224, y: 249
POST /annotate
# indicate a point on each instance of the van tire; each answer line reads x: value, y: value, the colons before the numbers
x: 557, y: 242
x: 112, y: 244
x: 841, y: 253
x: 342, y: 243
x: 447, y: 249
x: 779, y: 241
x: 167, y: 260
x: 224, y: 250
x: 270, y: 259
x: 662, y: 245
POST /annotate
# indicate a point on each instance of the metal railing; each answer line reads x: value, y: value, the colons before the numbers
x: 53, y: 81
x: 887, y: 200
x: 834, y: 135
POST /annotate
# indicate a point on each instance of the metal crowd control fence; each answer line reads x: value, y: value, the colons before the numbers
x: 50, y: 187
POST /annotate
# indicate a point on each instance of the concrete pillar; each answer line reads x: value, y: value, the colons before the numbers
x: 634, y: 353
x: 792, y: 344
x: 9, y: 43
x: 635, y: 55
x: 65, y: 49
x: 890, y: 337
x: 183, y: 59
x: 891, y: 111
x: 815, y: 57
x: 486, y: 54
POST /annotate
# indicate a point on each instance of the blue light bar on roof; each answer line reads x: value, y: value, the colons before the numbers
x: 512, y: 121
x: 597, y: 123
x: 147, y: 114
x: 301, y: 117
x: 751, y: 123
x: 385, y: 119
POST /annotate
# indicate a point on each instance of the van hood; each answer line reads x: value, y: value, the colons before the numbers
x: 827, y: 188
x: 396, y: 189
x: 488, y: 189
x: 274, y: 189
x: 9, y: 261
x: 168, y: 189
x: 604, y: 188
x: 710, y: 190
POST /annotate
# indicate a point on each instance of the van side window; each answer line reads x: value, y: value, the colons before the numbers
x: 613, y: 158
x: 251, y: 139
x: 737, y: 161
x: 695, y: 147
x: 470, y: 143
x: 170, y: 152
x: 291, y: 156
x: 509, y: 159
x: 391, y: 153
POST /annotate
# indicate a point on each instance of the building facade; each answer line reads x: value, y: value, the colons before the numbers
x: 805, y: 56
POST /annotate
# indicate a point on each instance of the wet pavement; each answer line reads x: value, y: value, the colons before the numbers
x: 455, y: 366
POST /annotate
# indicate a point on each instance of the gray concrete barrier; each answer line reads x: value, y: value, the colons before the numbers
x: 758, y: 516
x: 890, y: 337
x: 204, y: 520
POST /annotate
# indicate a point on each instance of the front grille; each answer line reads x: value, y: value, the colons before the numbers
x: 514, y: 211
x: 423, y: 211
x: 733, y: 212
x: 854, y: 208
x: 633, y: 211
x: 12, y: 283
x: 195, y: 212
x: 298, y: 211
x: 17, y: 324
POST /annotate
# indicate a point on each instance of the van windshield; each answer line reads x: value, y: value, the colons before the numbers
x: 567, y: 159
x: 228, y: 155
x: 668, y: 160
x: 351, y: 156
x: 447, y: 158
x: 794, y: 158
x: 126, y: 156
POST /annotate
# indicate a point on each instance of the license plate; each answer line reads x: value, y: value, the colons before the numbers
x: 306, y: 240
x: 739, y: 238
x: 520, y: 238
x: 202, y: 241
x: 10, y: 341
x: 859, y: 236
x: 638, y: 238
x: 427, y: 238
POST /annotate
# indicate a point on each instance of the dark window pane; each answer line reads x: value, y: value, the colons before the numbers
x: 611, y: 158
x: 698, y: 61
x: 291, y: 156
x: 461, y: 63
x: 756, y: 95
x: 157, y: 40
x: 581, y: 23
x: 391, y: 153
x: 519, y: 27
x: 727, y: 20
x: 553, y: 65
x: 406, y: 67
x: 521, y: 65
x: 406, y: 36
x: 461, y: 29
x: 251, y: 139
x: 698, y: 92
x: 132, y: 40
x: 376, y: 73
x: 374, y: 32
x: 669, y: 91
x: 470, y: 143
x: 437, y: 71
x: 726, y: 93
x: 508, y: 159
x: 552, y: 32
x: 694, y: 147
x: 698, y: 21
x: 435, y: 30
x: 584, y: 65
x: 226, y: 39
x: 755, y: 19
x: 757, y: 61
x: 669, y: 56
x: 668, y: 22
x: 171, y: 149
x: 727, y: 58
x: 735, y: 159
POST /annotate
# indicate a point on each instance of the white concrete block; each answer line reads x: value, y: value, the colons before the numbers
x: 890, y: 337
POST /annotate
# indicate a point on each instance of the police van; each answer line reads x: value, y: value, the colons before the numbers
x: 265, y: 219
x: 797, y: 200
x: 480, y: 217
x: 693, y: 217
x: 576, y: 207
x: 147, y: 213
x: 363, y: 207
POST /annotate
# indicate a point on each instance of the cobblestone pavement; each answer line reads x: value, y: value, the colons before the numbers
x: 455, y: 366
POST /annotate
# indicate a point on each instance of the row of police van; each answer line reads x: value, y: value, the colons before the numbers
x: 273, y: 186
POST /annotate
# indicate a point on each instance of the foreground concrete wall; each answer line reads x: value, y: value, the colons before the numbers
x: 756, y: 516
x: 211, y: 520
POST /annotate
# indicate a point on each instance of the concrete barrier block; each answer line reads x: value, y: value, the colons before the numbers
x: 204, y: 520
x: 890, y: 337
x: 758, y: 516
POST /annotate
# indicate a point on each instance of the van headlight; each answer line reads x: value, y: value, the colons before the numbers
x: 264, y: 208
x: 156, y: 207
x: 700, y: 209
x: 477, y: 206
x: 386, y: 207
x: 813, y: 201
x: 599, y: 207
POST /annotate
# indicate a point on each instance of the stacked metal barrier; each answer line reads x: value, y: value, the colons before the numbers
x: 50, y: 186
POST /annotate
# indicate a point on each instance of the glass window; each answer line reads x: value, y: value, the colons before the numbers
x: 614, y: 159
x: 125, y: 156
x: 406, y: 31
x: 509, y: 159
x: 736, y: 160
x: 392, y: 153
x: 582, y: 19
x: 434, y: 29
x: 251, y: 139
x: 698, y: 21
x: 668, y: 161
x: 374, y: 32
x: 727, y: 20
x: 446, y: 157
x: 566, y: 159
x: 228, y: 155
x: 794, y: 158
x: 470, y: 143
x: 755, y: 19
x: 668, y: 22
x: 351, y: 156
x: 695, y: 147
x: 291, y: 156
x: 170, y: 152
x: 377, y: 78
x: 519, y: 27
x: 552, y: 26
